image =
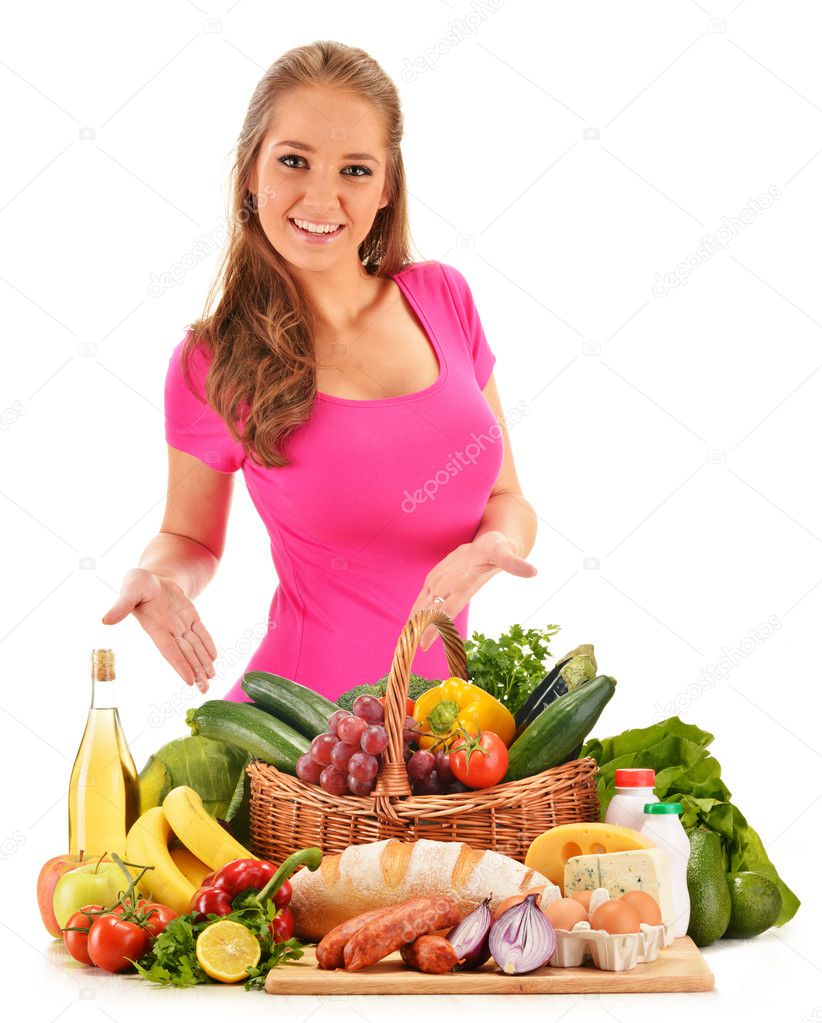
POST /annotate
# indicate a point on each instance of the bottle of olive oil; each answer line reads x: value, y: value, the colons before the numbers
x: 104, y: 791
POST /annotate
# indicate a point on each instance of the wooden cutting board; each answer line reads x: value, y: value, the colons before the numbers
x: 678, y: 968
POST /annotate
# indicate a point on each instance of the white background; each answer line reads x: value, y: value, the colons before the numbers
x: 672, y: 436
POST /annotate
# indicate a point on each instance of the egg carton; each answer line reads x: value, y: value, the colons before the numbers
x: 615, y: 952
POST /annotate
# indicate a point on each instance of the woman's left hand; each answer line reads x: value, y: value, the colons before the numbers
x: 464, y: 571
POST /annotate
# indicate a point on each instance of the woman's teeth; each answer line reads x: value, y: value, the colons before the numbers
x: 320, y: 229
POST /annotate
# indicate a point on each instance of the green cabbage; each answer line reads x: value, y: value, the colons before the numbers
x: 215, y: 770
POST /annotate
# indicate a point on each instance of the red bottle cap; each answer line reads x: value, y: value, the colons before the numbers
x: 634, y: 777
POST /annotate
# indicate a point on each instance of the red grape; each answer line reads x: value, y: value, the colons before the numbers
x: 308, y: 770
x: 370, y: 708
x: 333, y: 782
x: 321, y: 747
x: 361, y: 787
x: 351, y: 729
x: 335, y: 719
x: 454, y: 786
x: 363, y: 766
x: 443, y: 767
x: 427, y: 786
x: 341, y: 754
x: 407, y: 753
x: 410, y: 729
x: 374, y: 739
x: 421, y: 765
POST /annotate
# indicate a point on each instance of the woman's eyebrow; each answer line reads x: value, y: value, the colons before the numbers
x: 310, y: 149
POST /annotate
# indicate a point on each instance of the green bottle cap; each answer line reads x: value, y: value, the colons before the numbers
x: 663, y: 808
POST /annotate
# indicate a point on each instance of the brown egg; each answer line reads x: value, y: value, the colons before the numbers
x: 615, y: 917
x: 514, y: 900
x: 584, y: 899
x: 564, y: 913
x: 646, y: 906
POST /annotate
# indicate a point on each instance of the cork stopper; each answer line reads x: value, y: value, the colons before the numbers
x: 102, y: 665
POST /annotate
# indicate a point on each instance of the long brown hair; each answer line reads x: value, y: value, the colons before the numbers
x: 260, y: 334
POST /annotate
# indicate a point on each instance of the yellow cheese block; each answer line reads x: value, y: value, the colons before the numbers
x: 550, y: 851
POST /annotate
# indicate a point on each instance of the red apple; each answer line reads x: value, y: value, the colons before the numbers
x: 50, y: 873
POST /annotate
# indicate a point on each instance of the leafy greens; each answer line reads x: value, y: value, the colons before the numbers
x: 509, y: 668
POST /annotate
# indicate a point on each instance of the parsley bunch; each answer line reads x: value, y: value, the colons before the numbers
x: 509, y: 668
x: 173, y: 957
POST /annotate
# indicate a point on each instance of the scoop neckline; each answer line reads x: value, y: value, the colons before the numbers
x: 433, y: 340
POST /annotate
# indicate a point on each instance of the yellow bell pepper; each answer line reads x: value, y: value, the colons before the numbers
x: 456, y: 704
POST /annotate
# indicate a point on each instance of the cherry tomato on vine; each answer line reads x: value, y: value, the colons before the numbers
x: 76, y: 942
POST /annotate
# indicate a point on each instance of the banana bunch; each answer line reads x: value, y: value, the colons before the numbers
x: 178, y: 871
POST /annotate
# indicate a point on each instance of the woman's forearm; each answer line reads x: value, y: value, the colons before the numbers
x: 514, y: 517
x: 187, y: 562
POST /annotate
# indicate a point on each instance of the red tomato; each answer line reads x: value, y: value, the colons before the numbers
x: 112, y: 942
x: 282, y: 926
x: 159, y: 917
x: 487, y: 762
x: 409, y: 705
x: 76, y: 942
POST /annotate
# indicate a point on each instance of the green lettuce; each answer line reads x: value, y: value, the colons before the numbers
x: 686, y: 773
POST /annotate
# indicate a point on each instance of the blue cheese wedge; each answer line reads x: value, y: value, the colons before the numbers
x: 641, y: 870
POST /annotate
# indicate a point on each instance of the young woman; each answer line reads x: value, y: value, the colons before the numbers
x: 352, y: 387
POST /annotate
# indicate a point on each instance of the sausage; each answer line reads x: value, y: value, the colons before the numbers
x: 330, y: 949
x: 399, y: 926
x: 430, y: 953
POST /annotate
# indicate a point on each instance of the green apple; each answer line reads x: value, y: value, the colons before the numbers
x: 91, y: 883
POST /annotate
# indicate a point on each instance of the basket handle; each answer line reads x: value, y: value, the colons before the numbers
x: 392, y: 779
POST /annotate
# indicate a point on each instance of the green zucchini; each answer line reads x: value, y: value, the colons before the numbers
x: 250, y: 729
x: 304, y: 709
x: 555, y: 734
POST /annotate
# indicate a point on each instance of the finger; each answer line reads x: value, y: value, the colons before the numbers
x: 118, y: 610
x: 167, y: 645
x: 200, y: 679
x: 518, y: 566
x: 188, y: 652
x: 201, y: 652
x: 198, y: 627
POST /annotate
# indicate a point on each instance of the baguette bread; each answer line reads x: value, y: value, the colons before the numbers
x: 364, y: 877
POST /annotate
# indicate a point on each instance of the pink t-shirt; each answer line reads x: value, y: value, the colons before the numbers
x: 377, y: 493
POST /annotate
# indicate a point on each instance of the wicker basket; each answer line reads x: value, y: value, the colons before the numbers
x: 288, y: 814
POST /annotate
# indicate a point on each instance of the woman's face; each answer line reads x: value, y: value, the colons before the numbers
x: 322, y: 160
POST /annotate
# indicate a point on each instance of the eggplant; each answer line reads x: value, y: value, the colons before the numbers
x: 571, y: 671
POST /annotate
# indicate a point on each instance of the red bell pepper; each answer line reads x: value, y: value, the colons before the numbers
x: 249, y: 882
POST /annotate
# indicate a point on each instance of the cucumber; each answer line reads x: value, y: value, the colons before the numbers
x: 250, y: 729
x: 298, y: 706
x: 555, y: 735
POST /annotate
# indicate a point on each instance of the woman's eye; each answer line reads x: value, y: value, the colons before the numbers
x: 366, y: 173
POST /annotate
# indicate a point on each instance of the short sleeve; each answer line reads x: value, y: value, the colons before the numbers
x: 191, y: 424
x: 481, y: 355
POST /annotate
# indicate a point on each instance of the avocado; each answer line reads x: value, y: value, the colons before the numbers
x: 755, y: 904
x: 707, y: 888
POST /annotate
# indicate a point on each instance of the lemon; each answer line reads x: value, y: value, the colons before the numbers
x: 224, y: 950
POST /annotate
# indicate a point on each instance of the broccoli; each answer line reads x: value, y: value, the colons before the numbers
x: 417, y: 685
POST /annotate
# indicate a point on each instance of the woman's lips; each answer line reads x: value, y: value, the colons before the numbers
x: 317, y: 239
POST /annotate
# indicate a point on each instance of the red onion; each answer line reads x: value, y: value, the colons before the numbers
x: 522, y: 938
x: 470, y: 937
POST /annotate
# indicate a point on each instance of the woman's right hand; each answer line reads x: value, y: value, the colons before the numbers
x: 169, y: 617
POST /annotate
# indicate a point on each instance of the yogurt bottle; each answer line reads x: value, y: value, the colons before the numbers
x: 634, y: 788
x: 663, y: 827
